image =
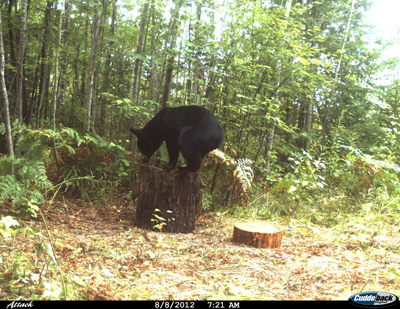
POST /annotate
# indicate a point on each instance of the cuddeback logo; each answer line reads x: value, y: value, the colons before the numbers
x: 370, y: 299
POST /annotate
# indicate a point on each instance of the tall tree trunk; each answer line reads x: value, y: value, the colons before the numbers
x: 55, y: 87
x: 100, y: 46
x: 90, y: 90
x: 268, y: 146
x: 136, y: 79
x: 325, y: 125
x: 20, y: 61
x: 209, y: 93
x: 44, y: 72
x: 195, y: 93
x: 308, y: 122
x: 170, y: 61
x: 11, y: 3
x: 156, y: 74
x: 168, y: 80
x: 107, y: 67
x: 139, y: 54
x: 6, y: 105
x: 278, y: 81
x: 65, y: 54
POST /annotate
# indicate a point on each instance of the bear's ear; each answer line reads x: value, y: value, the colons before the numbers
x: 137, y: 132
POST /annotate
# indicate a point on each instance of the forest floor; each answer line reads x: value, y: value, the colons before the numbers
x: 103, y: 256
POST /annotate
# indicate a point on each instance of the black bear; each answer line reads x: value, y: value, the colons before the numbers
x: 192, y: 130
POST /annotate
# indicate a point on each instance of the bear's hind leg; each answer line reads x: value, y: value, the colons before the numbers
x: 193, y: 159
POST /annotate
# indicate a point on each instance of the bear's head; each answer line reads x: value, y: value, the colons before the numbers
x: 147, y: 143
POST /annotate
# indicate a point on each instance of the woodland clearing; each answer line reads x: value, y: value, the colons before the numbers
x: 101, y: 255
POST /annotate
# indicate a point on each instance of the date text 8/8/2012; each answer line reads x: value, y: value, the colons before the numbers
x: 197, y: 304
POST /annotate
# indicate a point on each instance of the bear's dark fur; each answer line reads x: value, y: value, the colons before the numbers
x: 192, y: 130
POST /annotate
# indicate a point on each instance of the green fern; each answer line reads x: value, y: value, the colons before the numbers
x: 9, y: 187
x: 86, y: 160
x: 25, y: 188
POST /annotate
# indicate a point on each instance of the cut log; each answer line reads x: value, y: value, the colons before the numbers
x: 258, y: 234
x: 168, y: 201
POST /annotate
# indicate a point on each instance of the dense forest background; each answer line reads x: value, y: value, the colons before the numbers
x: 310, y: 111
x: 296, y: 85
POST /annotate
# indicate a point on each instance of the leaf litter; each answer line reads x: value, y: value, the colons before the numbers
x: 104, y: 256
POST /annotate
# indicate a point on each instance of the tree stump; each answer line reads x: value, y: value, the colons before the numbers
x: 168, y: 201
x: 258, y: 234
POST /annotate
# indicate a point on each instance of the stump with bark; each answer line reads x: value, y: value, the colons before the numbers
x: 168, y: 201
x: 258, y: 234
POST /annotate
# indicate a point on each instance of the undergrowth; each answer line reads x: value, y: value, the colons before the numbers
x: 49, y: 162
x: 354, y: 195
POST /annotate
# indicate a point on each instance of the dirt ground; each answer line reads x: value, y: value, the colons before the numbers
x: 103, y: 256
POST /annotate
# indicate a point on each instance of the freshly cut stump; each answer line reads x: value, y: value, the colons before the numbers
x: 168, y: 201
x: 258, y: 234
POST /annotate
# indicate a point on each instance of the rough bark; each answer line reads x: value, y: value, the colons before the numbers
x: 168, y: 201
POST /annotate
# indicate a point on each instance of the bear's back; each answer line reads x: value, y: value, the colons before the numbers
x: 183, y: 117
